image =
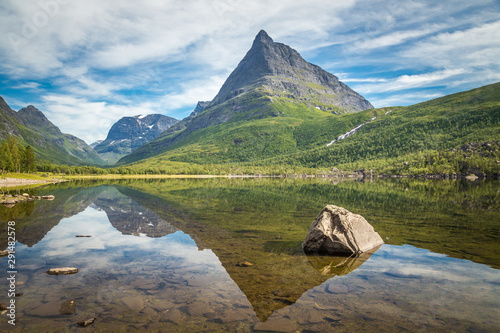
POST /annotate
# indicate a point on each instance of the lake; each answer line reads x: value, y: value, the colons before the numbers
x: 224, y: 255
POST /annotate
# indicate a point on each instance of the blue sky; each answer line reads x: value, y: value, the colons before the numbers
x: 87, y: 63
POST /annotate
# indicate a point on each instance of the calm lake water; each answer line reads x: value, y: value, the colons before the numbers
x: 165, y: 256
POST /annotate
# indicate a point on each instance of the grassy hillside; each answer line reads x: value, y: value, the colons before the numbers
x: 424, y: 138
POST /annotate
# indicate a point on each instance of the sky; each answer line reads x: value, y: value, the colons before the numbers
x: 87, y: 63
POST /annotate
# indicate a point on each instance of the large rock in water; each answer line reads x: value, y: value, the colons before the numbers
x: 338, y: 231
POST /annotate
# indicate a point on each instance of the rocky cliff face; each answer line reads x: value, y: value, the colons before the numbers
x: 130, y: 133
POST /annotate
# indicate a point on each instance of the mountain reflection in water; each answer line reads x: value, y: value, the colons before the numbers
x: 165, y: 255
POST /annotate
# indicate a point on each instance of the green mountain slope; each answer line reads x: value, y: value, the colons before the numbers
x: 419, y: 135
x: 459, y: 133
x: 31, y: 127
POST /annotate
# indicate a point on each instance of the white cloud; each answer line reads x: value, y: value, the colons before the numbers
x: 474, y: 47
x: 404, y: 82
x: 196, y: 90
x: 404, y: 99
x: 392, y: 39
x: 28, y: 85
x: 345, y: 78
x: 114, y: 34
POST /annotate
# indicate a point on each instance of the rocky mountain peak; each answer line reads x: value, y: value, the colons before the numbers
x: 31, y: 116
x: 31, y: 110
x: 262, y: 38
x: 129, y: 133
x: 281, y: 71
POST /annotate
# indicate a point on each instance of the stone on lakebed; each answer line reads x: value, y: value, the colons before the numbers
x: 338, y: 231
x: 62, y: 271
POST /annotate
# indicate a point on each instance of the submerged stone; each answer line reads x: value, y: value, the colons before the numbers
x: 338, y: 231
x: 68, y: 307
x: 62, y: 271
x: 87, y: 322
x: 134, y: 303
x: 48, y: 309
x: 244, y: 264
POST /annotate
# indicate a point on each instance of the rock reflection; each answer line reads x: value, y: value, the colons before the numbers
x: 339, y: 265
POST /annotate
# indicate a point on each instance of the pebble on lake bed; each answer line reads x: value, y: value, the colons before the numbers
x: 62, y: 271
x: 87, y: 322
x: 244, y: 264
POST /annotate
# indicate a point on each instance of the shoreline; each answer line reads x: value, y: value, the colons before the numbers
x: 12, y: 182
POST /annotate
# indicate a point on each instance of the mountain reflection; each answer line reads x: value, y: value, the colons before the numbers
x: 131, y: 218
x: 166, y: 255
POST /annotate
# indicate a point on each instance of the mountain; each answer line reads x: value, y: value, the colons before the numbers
x: 457, y: 134
x: 130, y: 133
x: 31, y: 127
x: 283, y: 73
x: 272, y: 91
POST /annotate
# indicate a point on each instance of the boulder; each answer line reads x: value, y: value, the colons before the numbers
x: 338, y: 231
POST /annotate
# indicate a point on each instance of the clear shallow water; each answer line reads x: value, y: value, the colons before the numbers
x: 164, y: 256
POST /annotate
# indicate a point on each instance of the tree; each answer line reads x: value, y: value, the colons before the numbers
x: 5, y: 158
x: 14, y: 152
x: 29, y: 160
